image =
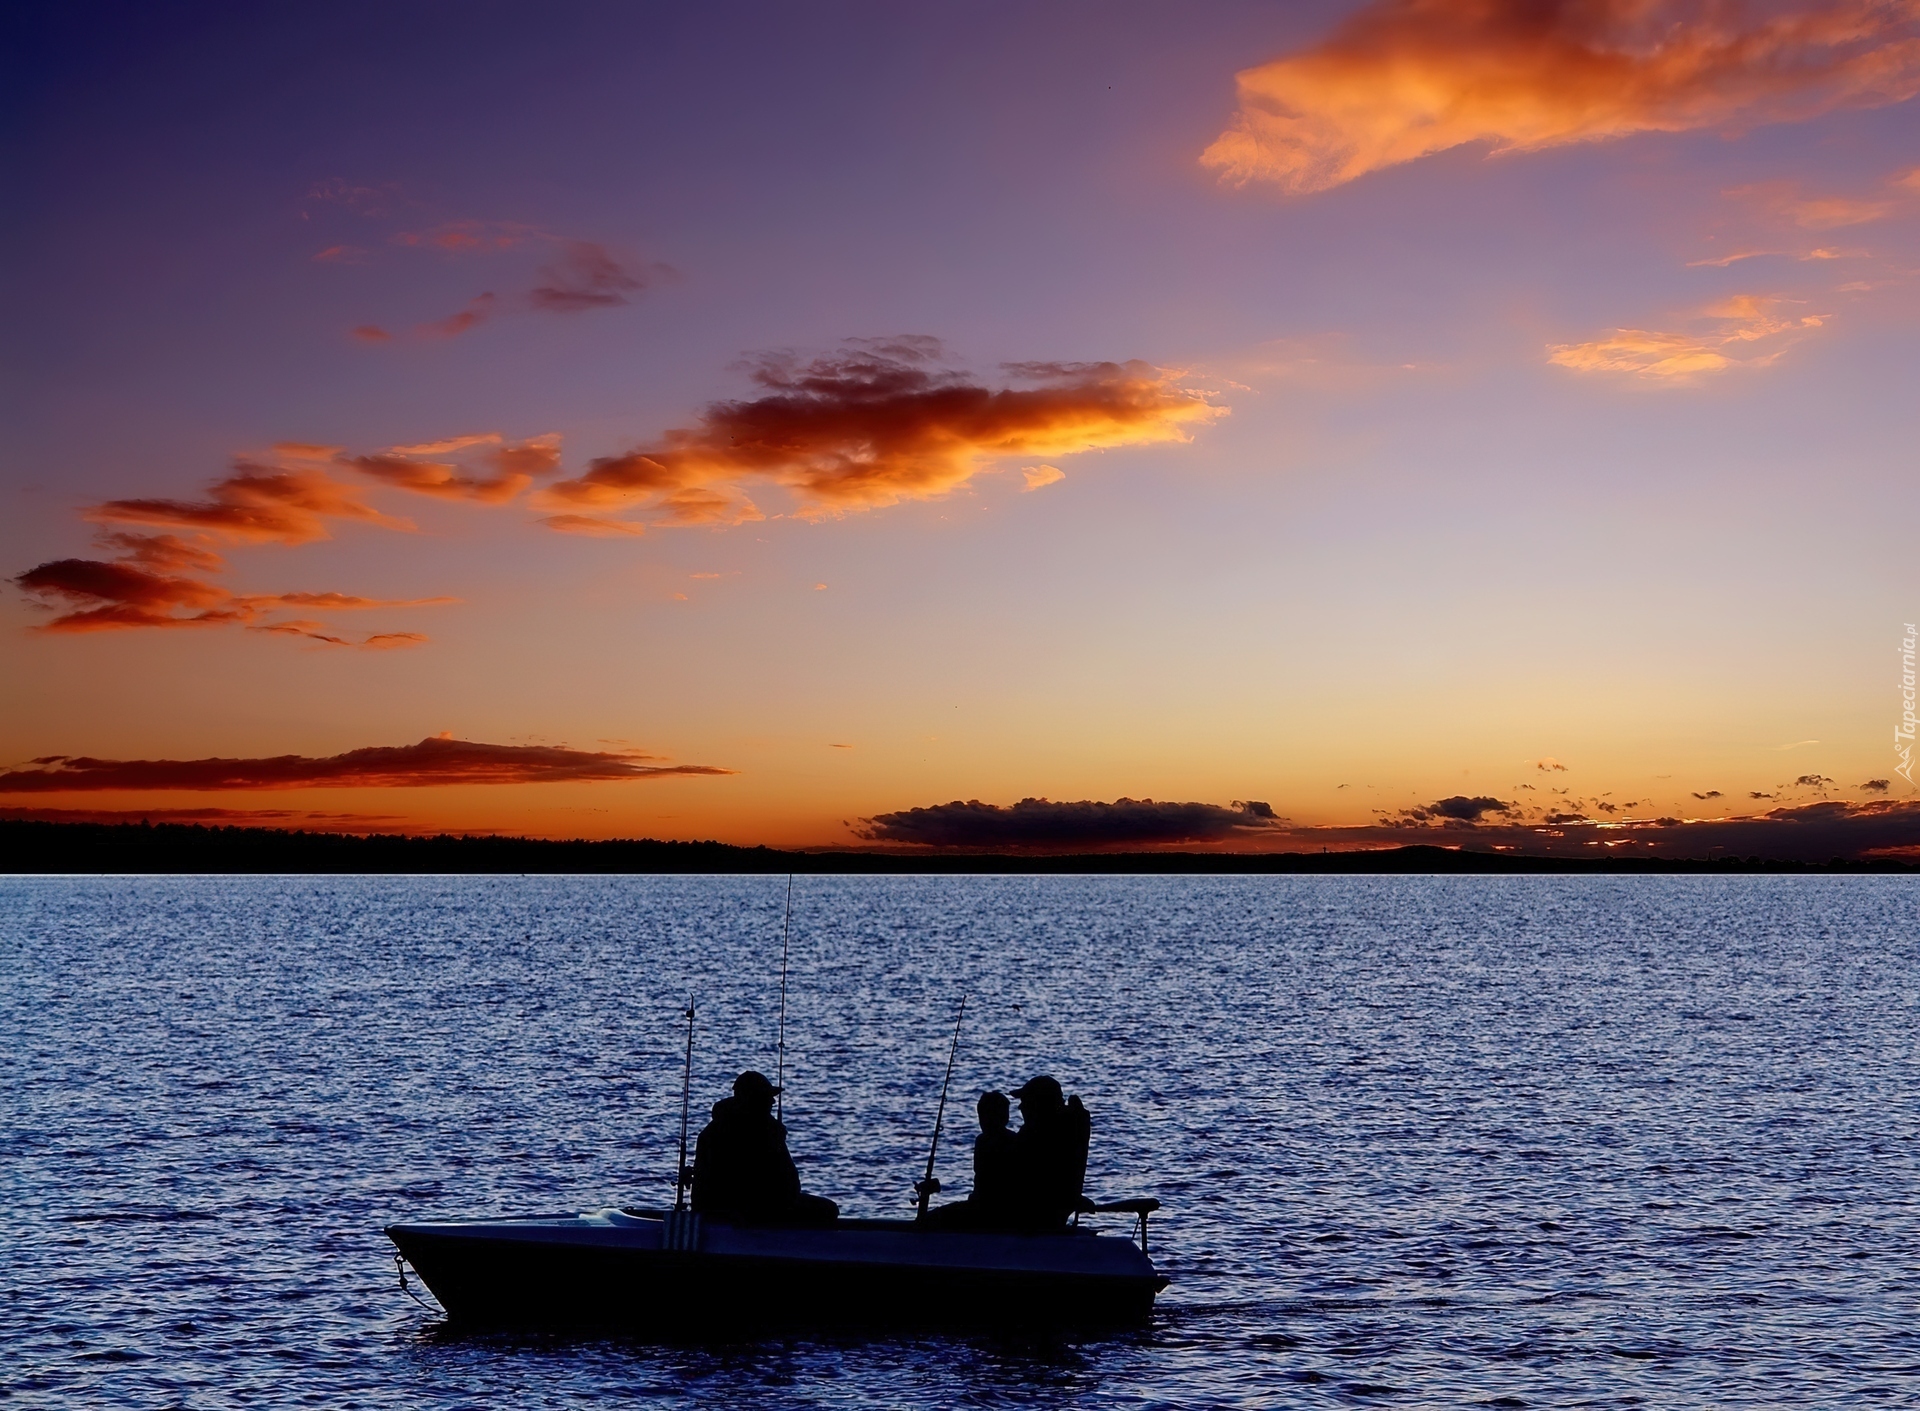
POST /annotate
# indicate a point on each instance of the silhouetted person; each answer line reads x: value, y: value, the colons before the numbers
x: 742, y: 1169
x: 996, y: 1161
x: 1050, y: 1151
x: 993, y: 1202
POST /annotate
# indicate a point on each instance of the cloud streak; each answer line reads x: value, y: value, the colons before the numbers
x: 159, y: 580
x: 438, y: 761
x: 581, y: 275
x: 1403, y: 79
x: 876, y: 424
x: 142, y: 588
x: 1042, y: 825
x: 257, y: 504
x: 222, y: 817
x: 1744, y: 331
x: 486, y: 469
x: 585, y: 276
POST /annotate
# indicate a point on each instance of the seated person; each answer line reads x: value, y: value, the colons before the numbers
x: 1050, y: 1156
x: 995, y: 1176
x: 742, y: 1170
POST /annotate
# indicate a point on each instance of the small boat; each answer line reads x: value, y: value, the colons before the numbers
x: 672, y: 1270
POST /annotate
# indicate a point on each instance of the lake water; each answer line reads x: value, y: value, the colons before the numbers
x: 1542, y: 1141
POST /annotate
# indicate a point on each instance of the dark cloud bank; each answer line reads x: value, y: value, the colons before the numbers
x: 1815, y: 832
x: 437, y: 761
x: 1040, y: 824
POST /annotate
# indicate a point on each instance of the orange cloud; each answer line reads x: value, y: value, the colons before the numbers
x: 1748, y: 334
x: 441, y: 760
x: 161, y: 551
x: 143, y: 588
x: 1402, y: 79
x: 257, y: 504
x: 111, y: 595
x: 1040, y: 476
x: 593, y: 526
x: 487, y: 469
x: 288, y: 501
x: 336, y: 602
x: 1783, y: 201
x: 880, y: 423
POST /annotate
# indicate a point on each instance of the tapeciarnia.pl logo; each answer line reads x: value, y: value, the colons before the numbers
x: 1903, y: 732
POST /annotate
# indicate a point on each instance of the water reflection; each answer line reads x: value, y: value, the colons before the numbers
x: 1542, y: 1141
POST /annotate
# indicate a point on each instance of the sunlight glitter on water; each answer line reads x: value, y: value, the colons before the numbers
x: 1422, y: 1141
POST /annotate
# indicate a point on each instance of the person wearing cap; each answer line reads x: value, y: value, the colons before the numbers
x: 1050, y: 1155
x: 742, y: 1170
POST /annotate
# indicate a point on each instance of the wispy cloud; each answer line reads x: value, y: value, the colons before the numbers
x: 1786, y: 203
x: 1744, y: 331
x: 320, y: 633
x: 471, y: 236
x: 161, y: 580
x: 441, y: 760
x: 487, y: 469
x: 160, y: 551
x: 1401, y: 79
x: 100, y: 596
x: 256, y: 503
x: 478, y: 310
x: 585, y: 276
x: 882, y: 422
x: 593, y: 526
x: 1042, y: 825
x: 130, y: 592
x: 291, y: 499
x: 213, y: 817
x: 1784, y: 200
x: 580, y: 275
x: 376, y: 201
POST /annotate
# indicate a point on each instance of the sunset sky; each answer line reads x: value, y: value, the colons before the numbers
x: 1343, y: 423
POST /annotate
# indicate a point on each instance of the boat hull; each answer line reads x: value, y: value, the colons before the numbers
x: 615, y: 1269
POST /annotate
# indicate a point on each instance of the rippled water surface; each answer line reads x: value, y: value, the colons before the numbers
x: 1462, y: 1141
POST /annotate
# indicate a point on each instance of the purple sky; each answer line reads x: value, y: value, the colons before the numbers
x: 1373, y: 475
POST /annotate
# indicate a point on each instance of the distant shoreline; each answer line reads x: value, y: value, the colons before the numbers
x: 120, y: 848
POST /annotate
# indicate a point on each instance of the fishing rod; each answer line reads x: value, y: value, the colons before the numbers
x: 927, y: 1185
x: 685, y: 1177
x: 780, y: 1057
